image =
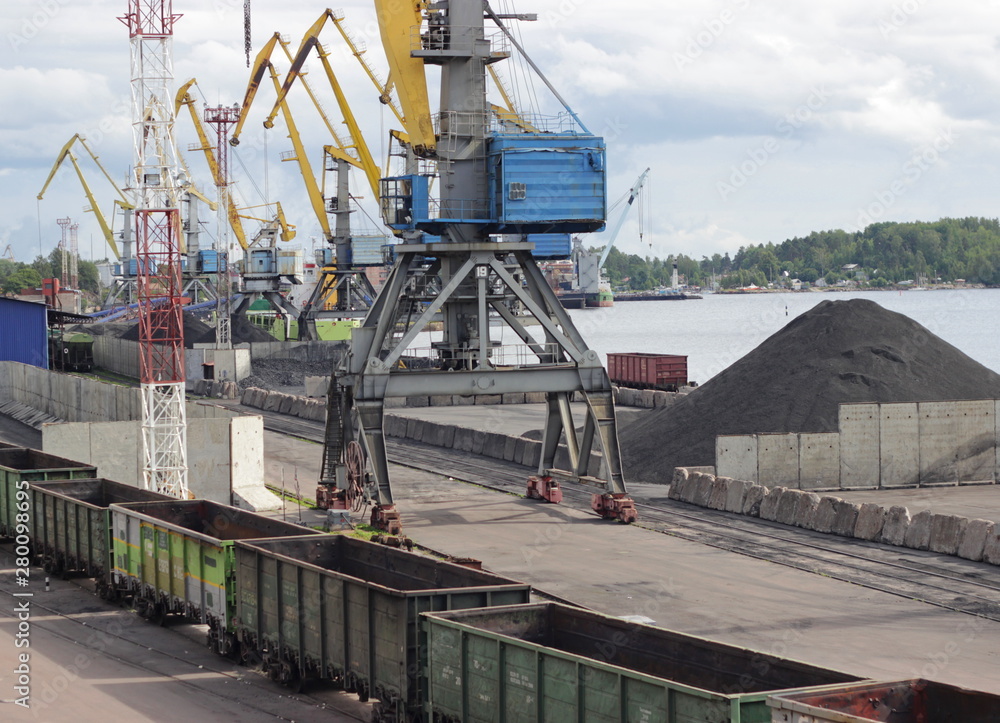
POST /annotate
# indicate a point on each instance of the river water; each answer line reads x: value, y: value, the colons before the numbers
x: 716, y: 331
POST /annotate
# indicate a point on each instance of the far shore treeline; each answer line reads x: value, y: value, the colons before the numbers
x: 883, y: 254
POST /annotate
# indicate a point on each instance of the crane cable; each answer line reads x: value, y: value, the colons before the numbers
x: 247, y: 45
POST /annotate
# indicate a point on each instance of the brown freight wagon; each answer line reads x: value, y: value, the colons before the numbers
x: 648, y: 371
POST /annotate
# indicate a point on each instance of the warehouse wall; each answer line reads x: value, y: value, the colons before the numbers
x: 876, y: 445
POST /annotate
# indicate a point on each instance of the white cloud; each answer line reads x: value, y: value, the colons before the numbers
x: 848, y: 91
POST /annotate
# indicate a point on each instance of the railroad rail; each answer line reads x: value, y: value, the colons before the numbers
x: 960, y: 586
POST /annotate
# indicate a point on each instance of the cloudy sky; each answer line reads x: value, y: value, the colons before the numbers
x: 761, y: 120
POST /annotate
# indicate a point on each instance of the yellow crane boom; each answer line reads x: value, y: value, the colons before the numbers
x: 184, y: 98
x: 397, y: 26
x: 361, y: 156
x: 122, y: 201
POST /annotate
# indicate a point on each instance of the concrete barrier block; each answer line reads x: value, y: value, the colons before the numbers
x: 247, y: 395
x: 489, y: 399
x: 440, y: 400
x: 718, y: 492
x: 805, y: 512
x: 991, y: 548
x: 769, y: 505
x: 787, y: 506
x: 463, y: 439
x: 946, y: 533
x: 701, y: 488
x: 647, y: 398
x: 736, y: 494
x: 460, y: 401
x: 826, y: 514
x: 494, y: 445
x: 282, y: 402
x: 272, y: 401
x: 448, y: 435
x: 478, y: 441
x: 395, y: 402
x: 897, y: 522
x: 662, y: 399
x: 534, y: 398
x: 754, y: 499
x: 513, y: 398
x: 974, y: 539
x: 418, y: 402
x: 687, y: 487
x: 918, y: 534
x: 414, y: 429
x: 518, y: 450
x: 679, y: 474
x: 509, y: 448
x: 532, y: 453
x: 871, y: 520
x: 846, y: 519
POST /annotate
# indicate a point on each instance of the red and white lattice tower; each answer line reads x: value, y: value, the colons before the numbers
x: 221, y: 119
x: 157, y: 227
x: 64, y: 224
x: 74, y: 256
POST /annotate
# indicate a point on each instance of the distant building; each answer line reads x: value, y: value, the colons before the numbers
x: 24, y: 332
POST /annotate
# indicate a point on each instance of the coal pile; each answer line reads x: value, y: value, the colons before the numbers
x: 838, y: 352
x: 197, y: 331
x: 277, y: 374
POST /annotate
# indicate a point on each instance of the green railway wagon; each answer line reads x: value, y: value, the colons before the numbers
x: 347, y: 610
x: 176, y: 557
x: 71, y: 524
x: 557, y: 664
x: 905, y: 701
x: 19, y: 464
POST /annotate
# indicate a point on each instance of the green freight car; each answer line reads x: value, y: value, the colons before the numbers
x: 176, y: 557
x: 347, y: 610
x: 906, y: 701
x: 18, y: 464
x: 554, y: 663
x: 70, y: 524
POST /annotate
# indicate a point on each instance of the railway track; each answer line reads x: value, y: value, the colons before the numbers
x: 951, y: 583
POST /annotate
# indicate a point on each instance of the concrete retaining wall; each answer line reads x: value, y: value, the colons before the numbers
x: 225, y: 456
x: 876, y: 445
x: 976, y: 540
x: 78, y: 399
x: 117, y: 355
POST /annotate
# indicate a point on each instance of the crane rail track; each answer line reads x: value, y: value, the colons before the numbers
x: 956, y: 585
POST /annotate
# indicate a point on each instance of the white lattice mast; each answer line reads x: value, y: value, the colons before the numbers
x: 157, y: 237
x: 74, y: 256
x: 64, y: 224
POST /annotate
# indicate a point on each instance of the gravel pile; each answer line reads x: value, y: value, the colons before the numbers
x: 838, y: 352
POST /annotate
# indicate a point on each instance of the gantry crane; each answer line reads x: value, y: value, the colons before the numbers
x: 589, y: 266
x: 495, y: 180
x: 342, y: 287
